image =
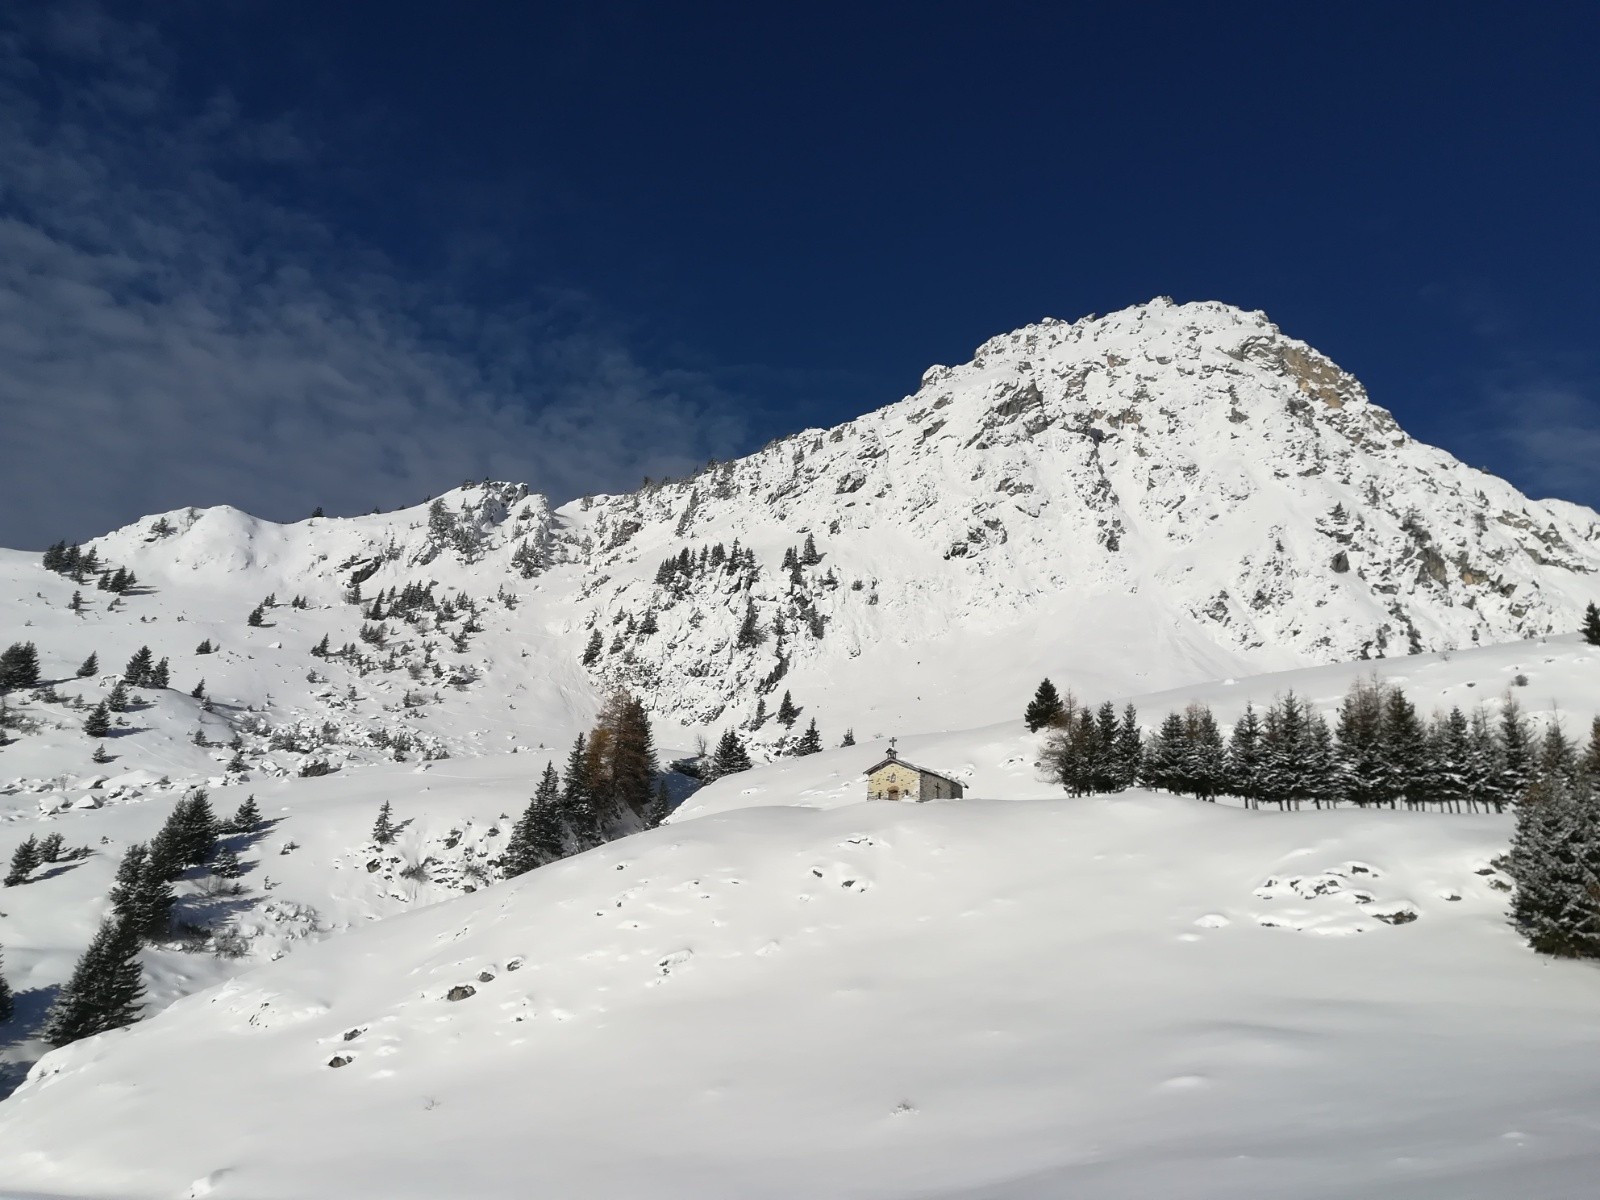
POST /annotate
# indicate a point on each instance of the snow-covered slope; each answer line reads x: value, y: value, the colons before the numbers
x: 1137, y: 996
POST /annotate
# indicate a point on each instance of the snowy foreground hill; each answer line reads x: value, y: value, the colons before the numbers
x: 786, y: 991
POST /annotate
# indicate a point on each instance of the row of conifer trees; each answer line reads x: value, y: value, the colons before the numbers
x: 1377, y: 752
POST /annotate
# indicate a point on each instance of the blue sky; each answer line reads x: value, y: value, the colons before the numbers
x: 352, y: 254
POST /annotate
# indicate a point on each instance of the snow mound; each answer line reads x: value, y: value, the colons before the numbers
x: 983, y: 998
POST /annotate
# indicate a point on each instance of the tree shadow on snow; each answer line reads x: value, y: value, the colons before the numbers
x: 26, y: 1024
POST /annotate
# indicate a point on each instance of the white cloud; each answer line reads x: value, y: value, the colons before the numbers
x: 169, y: 339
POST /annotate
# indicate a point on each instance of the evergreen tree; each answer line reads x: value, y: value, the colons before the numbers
x: 227, y: 865
x: 788, y: 714
x: 160, y: 675
x: 849, y: 738
x: 138, y: 668
x: 1516, y: 753
x: 591, y: 652
x: 621, y: 759
x: 810, y: 741
x: 7, y: 1003
x: 538, y: 836
x: 660, y: 806
x: 142, y: 893
x: 1244, y: 757
x: 247, y: 817
x: 76, y: 603
x: 383, y: 829
x: 809, y: 556
x: 1402, y: 750
x: 317, y: 512
x: 1589, y: 764
x: 578, y: 808
x: 199, y: 828
x: 1555, y: 861
x: 105, y: 990
x: 1481, y: 771
x: 205, y: 647
x: 1558, y: 757
x: 51, y: 847
x: 749, y: 630
x: 1044, y: 709
x: 1591, y: 624
x: 1128, y: 752
x: 99, y: 757
x: 19, y: 667
x: 1165, y: 755
x: 199, y: 692
x: 1205, y: 758
x: 254, y: 620
x: 124, y: 893
x: 1362, y: 775
x: 731, y: 756
x: 98, y: 723
x: 23, y: 861
x: 91, y: 666
x: 118, y: 700
x: 320, y: 650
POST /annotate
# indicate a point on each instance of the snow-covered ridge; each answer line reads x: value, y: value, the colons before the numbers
x: 1162, y: 495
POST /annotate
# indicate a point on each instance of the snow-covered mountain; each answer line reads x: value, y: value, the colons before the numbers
x: 1171, y: 503
x: 1167, y: 494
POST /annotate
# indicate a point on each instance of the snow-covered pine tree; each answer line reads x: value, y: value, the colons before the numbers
x: 1516, y: 753
x: 808, y: 555
x: 1482, y: 768
x: 160, y: 675
x: 810, y: 741
x: 660, y: 806
x: 118, y: 699
x: 1044, y: 709
x: 105, y: 991
x: 138, y: 668
x: 849, y: 738
x: 788, y: 714
x: 1555, y: 861
x: 98, y: 723
x: 579, y: 811
x: 591, y: 652
x: 749, y: 629
x: 1129, y: 750
x: 731, y: 757
x: 538, y: 836
x: 100, y: 757
x: 199, y: 829
x: 383, y: 829
x: 247, y: 817
x: 1591, y: 624
x: 199, y: 691
x: 226, y: 865
x: 1164, y: 755
x: 1244, y: 757
x: 255, y: 619
x: 51, y: 847
x: 205, y: 647
x: 19, y: 667
x: 91, y: 666
x: 1205, y: 757
x: 1557, y: 757
x: 1359, y: 733
x: 23, y: 860
x: 1402, y: 749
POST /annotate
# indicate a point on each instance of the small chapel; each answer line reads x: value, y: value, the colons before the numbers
x: 896, y: 779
